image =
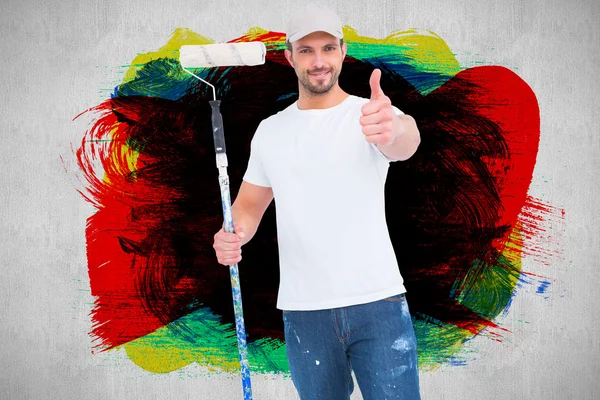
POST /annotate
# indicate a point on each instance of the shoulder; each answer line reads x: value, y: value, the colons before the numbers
x: 360, y: 101
x: 281, y: 117
x: 357, y: 101
x: 352, y: 105
x: 268, y: 126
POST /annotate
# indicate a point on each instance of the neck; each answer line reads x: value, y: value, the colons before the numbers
x: 308, y: 100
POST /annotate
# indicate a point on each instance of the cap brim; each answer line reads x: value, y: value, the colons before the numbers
x: 300, y: 34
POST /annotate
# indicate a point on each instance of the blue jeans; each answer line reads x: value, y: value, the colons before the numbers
x: 376, y: 340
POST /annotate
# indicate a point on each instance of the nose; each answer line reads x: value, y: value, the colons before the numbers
x: 318, y: 60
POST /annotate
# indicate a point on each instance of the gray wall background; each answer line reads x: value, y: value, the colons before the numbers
x: 58, y: 59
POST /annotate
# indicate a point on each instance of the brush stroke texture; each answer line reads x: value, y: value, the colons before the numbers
x: 452, y: 209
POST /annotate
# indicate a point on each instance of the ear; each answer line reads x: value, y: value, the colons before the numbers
x: 288, y: 56
x: 344, y: 50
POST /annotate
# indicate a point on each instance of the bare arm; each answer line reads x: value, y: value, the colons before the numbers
x: 249, y: 208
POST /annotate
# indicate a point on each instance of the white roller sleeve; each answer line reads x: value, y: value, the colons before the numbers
x: 222, y: 54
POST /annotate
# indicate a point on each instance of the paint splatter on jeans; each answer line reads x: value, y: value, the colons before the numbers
x: 375, y: 340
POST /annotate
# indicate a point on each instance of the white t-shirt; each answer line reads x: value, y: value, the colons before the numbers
x: 328, y: 184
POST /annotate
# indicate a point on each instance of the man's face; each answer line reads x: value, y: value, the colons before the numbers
x: 317, y: 59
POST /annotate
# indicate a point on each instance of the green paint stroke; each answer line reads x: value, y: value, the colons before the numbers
x: 424, y: 60
x: 419, y: 56
x: 487, y: 288
x: 201, y: 337
x: 438, y: 343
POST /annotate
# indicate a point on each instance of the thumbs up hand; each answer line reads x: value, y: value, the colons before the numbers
x: 380, y: 124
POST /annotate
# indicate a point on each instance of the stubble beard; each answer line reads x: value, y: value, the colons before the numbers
x: 319, y: 88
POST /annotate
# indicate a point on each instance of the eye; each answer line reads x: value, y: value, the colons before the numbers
x: 330, y: 48
x: 304, y: 51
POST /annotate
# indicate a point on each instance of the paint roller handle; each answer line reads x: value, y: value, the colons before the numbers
x: 217, y: 123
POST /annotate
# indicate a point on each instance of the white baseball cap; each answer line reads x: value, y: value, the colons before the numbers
x: 311, y: 19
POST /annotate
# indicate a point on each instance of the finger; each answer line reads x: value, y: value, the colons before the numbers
x: 376, y: 129
x: 230, y: 261
x: 220, y: 232
x: 376, y: 105
x: 227, y: 246
x: 381, y: 138
x: 230, y: 257
x: 230, y: 254
x: 384, y: 115
x: 372, y: 119
x: 375, y: 84
x: 227, y: 238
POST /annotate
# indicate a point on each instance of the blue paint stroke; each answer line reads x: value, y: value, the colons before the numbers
x: 543, y: 287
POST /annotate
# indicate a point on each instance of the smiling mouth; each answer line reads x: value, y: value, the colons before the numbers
x: 322, y: 74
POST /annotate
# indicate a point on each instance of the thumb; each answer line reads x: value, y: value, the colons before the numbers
x: 374, y: 82
x: 239, y: 230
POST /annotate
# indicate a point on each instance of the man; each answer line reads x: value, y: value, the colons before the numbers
x: 325, y: 159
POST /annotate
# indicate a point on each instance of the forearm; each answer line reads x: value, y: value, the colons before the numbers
x: 406, y: 142
x: 249, y: 207
x: 246, y: 219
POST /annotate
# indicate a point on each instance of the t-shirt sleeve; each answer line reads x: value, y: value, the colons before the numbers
x: 255, y: 173
x: 383, y: 156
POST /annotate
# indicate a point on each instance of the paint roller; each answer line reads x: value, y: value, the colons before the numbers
x: 226, y: 55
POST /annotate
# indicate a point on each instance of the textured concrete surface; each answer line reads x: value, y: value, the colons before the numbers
x: 58, y: 59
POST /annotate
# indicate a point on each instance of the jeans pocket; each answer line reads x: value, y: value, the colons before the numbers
x: 397, y: 298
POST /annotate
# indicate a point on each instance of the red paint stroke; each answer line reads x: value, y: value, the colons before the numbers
x: 149, y: 244
x: 493, y: 119
x: 117, y: 231
x: 506, y: 100
x: 542, y: 230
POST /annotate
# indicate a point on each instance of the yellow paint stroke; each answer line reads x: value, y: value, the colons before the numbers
x: 513, y: 247
x: 423, y: 49
x: 154, y: 357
